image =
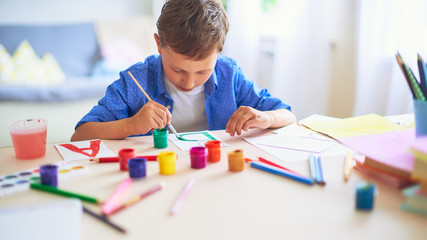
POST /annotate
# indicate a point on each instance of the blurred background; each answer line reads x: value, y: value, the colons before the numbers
x: 330, y: 57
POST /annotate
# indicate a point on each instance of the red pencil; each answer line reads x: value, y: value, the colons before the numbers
x: 276, y: 165
x: 116, y: 159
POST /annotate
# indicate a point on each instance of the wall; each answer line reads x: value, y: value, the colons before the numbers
x: 61, y: 116
x: 41, y: 11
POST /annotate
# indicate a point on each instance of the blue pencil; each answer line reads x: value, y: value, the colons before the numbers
x: 422, y: 69
x: 281, y: 172
x: 320, y: 179
x: 312, y: 164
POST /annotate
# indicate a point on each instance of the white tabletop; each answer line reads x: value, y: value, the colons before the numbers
x: 227, y: 205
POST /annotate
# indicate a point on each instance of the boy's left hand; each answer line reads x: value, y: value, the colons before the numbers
x: 246, y: 117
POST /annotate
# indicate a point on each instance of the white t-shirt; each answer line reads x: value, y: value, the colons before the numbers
x: 189, y: 113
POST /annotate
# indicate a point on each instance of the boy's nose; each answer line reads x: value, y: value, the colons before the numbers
x: 188, y: 82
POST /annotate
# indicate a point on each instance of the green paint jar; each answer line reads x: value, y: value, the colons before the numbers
x: 160, y: 137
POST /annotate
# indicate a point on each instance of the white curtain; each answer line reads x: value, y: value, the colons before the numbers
x: 387, y: 26
x: 291, y: 51
x: 285, y: 50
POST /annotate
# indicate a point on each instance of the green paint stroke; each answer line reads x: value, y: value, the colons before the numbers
x: 195, y: 133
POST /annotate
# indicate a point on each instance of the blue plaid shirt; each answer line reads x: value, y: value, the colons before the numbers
x: 226, y: 90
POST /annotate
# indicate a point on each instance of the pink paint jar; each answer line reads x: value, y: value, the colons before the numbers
x: 198, y: 157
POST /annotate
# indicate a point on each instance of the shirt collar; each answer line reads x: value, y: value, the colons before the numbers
x: 160, y: 85
x: 211, y: 84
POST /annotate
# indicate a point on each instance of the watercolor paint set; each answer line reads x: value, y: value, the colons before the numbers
x: 17, y: 182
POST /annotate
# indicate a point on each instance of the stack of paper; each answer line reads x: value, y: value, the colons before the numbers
x: 416, y: 197
x: 384, y: 144
x: 386, y: 156
x: 415, y: 201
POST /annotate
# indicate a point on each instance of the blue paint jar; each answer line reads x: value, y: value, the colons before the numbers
x: 365, y: 195
x: 137, y: 168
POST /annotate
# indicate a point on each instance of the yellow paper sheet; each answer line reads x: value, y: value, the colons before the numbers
x: 355, y: 126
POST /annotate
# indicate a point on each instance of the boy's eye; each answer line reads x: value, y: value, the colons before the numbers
x: 176, y: 70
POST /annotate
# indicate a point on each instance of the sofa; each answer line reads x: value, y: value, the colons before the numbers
x: 90, y: 54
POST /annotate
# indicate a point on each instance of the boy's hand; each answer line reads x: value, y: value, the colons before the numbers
x: 152, y: 115
x: 246, y: 117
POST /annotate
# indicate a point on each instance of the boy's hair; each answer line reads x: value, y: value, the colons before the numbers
x: 193, y: 28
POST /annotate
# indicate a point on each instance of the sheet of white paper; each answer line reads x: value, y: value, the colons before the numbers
x: 200, y: 137
x: 294, y: 142
x: 84, y: 150
x: 296, y: 137
x: 288, y: 155
x: 50, y: 221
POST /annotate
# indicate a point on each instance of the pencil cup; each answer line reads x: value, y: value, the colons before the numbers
x: 29, y: 138
x: 167, y: 160
x: 137, y: 167
x: 420, y: 110
x: 198, y: 157
x: 236, y: 161
x: 160, y: 137
x: 124, y: 155
x: 214, y: 150
x: 49, y: 175
x: 365, y: 194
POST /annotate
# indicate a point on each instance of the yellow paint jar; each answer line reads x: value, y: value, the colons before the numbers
x: 167, y: 162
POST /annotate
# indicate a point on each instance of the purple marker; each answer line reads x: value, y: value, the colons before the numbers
x: 49, y: 175
x: 198, y: 157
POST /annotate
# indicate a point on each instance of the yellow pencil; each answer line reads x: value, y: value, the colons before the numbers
x: 347, y: 166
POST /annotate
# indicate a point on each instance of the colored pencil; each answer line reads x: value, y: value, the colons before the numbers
x: 104, y: 220
x: 55, y: 190
x: 275, y: 165
x: 178, y: 203
x: 149, y: 99
x: 137, y: 198
x: 116, y: 159
x: 347, y: 166
x: 271, y: 163
x: 411, y: 79
x: 405, y: 74
x: 319, y: 173
x: 422, y: 69
x: 281, y: 172
x: 312, y: 164
x: 417, y: 89
x: 109, y: 204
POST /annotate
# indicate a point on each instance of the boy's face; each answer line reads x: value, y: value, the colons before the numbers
x: 184, y: 73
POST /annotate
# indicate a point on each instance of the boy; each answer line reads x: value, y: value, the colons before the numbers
x: 190, y: 84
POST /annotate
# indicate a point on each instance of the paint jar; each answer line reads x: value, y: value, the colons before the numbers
x: 160, y: 138
x: 49, y: 175
x: 137, y: 167
x: 167, y: 160
x: 420, y: 110
x: 365, y: 194
x: 124, y: 155
x: 214, y: 150
x: 236, y: 161
x: 198, y: 157
x: 29, y: 138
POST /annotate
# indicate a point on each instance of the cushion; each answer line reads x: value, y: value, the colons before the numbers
x: 76, y: 89
x: 74, y: 46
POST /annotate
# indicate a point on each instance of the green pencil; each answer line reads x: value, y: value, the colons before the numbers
x: 55, y: 190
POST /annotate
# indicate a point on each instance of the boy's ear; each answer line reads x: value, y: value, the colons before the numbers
x: 159, y: 48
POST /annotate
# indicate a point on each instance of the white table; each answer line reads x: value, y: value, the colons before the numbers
x: 226, y: 205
